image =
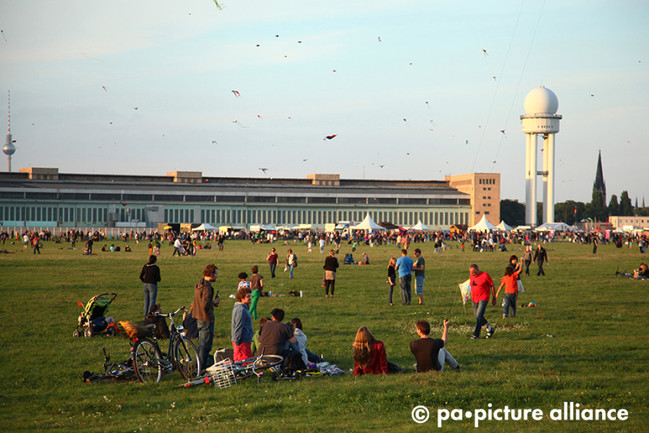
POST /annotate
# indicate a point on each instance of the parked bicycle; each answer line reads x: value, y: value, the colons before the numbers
x: 150, y: 363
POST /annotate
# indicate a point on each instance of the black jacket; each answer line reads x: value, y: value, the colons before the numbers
x: 150, y: 273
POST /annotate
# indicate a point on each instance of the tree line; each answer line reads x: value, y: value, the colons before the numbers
x: 569, y: 212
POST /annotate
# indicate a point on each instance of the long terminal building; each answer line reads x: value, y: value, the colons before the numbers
x: 44, y: 197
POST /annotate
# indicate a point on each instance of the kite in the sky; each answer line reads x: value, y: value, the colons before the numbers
x: 264, y: 170
x: 218, y: 5
x: 503, y: 132
x: 236, y: 93
x: 104, y: 87
x: 259, y: 116
x: 379, y: 38
x: 329, y: 137
x: 3, y: 35
x: 236, y: 122
x: 485, y: 52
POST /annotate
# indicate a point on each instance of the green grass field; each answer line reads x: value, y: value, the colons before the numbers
x: 585, y: 342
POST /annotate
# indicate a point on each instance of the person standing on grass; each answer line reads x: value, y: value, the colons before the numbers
x: 540, y: 256
x: 431, y: 353
x: 420, y: 271
x: 392, y: 278
x: 481, y: 287
x: 404, y: 266
x: 527, y: 258
x: 510, y: 282
x: 202, y: 310
x: 256, y: 284
x: 290, y: 262
x: 150, y: 277
x: 272, y: 262
x: 330, y: 266
x: 241, y: 328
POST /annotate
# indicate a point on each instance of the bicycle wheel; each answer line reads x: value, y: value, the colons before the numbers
x: 146, y: 356
x: 186, y: 358
x: 253, y: 366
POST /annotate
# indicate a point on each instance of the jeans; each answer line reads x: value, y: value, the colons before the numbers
x: 419, y: 285
x: 540, y: 272
x: 150, y: 292
x: 444, y: 356
x: 404, y: 282
x: 273, y: 266
x: 205, y: 338
x: 479, y: 309
x: 391, y: 286
x: 290, y: 270
x: 510, y: 301
x: 328, y: 284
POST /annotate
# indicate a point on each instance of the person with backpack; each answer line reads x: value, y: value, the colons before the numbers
x: 291, y: 262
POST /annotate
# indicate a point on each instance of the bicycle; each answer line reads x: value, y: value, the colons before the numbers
x: 225, y: 372
x: 149, y: 362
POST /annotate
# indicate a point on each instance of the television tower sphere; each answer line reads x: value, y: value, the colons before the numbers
x: 541, y: 100
x: 9, y: 148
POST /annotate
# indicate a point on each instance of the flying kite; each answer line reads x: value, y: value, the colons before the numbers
x: 329, y: 137
x: 379, y: 38
x: 3, y: 35
x: 104, y: 87
x: 503, y: 132
x: 236, y: 93
x: 218, y: 5
x: 485, y: 52
x: 264, y: 170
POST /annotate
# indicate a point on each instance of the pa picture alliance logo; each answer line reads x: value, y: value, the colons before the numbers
x: 420, y: 414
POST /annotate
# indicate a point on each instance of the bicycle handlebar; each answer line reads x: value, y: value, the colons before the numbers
x: 170, y: 315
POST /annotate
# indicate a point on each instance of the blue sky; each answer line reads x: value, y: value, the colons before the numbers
x: 327, y: 73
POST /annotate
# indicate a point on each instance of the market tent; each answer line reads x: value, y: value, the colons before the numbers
x: 483, y: 225
x: 419, y: 227
x: 203, y: 227
x: 553, y: 227
x: 367, y: 224
x: 504, y: 226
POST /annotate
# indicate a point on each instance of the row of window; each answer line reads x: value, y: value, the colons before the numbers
x: 117, y: 197
x: 487, y: 181
x: 83, y: 215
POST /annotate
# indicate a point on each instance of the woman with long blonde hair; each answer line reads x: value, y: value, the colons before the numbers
x: 369, y: 354
x: 392, y: 278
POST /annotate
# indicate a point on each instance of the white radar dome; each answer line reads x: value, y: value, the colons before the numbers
x: 541, y: 100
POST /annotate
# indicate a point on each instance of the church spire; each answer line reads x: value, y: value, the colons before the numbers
x: 599, y: 184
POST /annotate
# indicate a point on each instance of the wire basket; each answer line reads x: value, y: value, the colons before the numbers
x: 222, y: 374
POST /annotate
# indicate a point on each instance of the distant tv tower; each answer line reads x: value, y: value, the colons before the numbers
x: 9, y: 148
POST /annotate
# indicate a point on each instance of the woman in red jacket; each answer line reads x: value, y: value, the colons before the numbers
x: 369, y: 354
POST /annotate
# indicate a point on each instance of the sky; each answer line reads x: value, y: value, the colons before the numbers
x: 414, y: 89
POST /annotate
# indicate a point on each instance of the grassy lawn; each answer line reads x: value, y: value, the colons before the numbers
x: 583, y: 343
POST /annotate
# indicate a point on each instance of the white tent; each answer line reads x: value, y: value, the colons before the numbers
x: 367, y: 224
x: 504, y: 226
x: 483, y: 225
x: 553, y: 227
x: 203, y: 227
x: 419, y: 227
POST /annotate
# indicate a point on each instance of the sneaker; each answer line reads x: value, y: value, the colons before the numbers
x: 490, y: 332
x: 458, y: 368
x: 474, y: 337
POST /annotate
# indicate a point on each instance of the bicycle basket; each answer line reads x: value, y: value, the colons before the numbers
x: 222, y: 374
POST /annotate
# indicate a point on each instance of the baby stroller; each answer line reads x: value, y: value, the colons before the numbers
x: 92, y: 320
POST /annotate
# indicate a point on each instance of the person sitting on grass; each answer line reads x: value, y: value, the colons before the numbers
x: 255, y: 337
x: 365, y: 260
x: 349, y: 259
x: 369, y: 354
x: 431, y: 353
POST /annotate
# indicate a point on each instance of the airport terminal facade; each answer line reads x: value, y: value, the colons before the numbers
x: 43, y: 197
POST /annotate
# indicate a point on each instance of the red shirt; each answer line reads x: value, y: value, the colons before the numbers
x: 378, y: 362
x: 481, y: 287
